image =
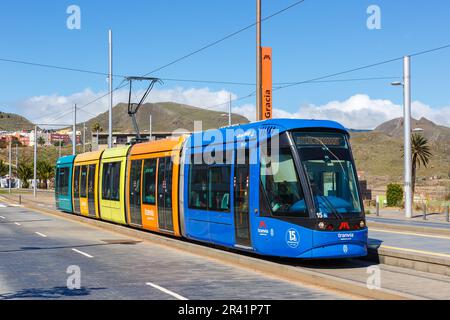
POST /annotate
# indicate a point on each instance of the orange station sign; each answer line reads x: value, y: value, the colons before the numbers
x: 267, y: 91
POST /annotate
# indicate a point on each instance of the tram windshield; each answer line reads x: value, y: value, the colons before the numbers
x: 281, y: 184
x: 328, y: 164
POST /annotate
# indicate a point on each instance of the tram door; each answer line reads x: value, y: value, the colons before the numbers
x: 165, y: 219
x: 241, y: 197
x: 135, y: 193
x: 76, y: 190
x: 91, y: 190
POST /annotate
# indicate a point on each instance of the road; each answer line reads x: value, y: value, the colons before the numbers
x: 37, y: 249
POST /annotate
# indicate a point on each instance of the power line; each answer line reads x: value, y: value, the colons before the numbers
x: 361, y: 68
x: 42, y: 65
x: 224, y: 38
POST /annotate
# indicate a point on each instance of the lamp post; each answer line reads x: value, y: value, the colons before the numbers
x: 407, y: 133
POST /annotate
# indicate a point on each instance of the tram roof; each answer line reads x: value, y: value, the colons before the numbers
x: 88, y: 156
x: 65, y: 160
x: 281, y: 124
x: 116, y: 152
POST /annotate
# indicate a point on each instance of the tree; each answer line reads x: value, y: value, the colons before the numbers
x: 45, y: 171
x: 394, y: 195
x: 4, y: 169
x: 421, y: 155
x: 25, y: 173
x: 41, y: 141
x: 96, y: 127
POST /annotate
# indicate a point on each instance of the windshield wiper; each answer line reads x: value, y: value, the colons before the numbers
x: 331, y: 206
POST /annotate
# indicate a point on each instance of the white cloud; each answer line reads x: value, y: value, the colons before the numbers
x: 58, y: 109
x: 357, y: 112
x: 362, y: 112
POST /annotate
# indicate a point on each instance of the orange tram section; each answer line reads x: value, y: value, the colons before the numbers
x: 133, y: 185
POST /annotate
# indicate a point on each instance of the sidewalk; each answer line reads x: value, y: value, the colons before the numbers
x: 399, y: 215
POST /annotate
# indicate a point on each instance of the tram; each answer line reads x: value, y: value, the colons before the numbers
x: 280, y: 187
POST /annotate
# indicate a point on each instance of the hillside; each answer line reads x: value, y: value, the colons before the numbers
x: 166, y: 116
x: 431, y: 131
x: 13, y: 122
x: 378, y: 153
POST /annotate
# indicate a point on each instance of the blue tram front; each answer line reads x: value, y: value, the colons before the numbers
x: 280, y: 187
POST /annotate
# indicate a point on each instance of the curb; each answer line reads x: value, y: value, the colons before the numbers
x: 398, y: 227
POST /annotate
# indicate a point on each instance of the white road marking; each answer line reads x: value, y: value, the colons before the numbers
x: 2, y: 217
x: 17, y: 224
x: 83, y: 253
x: 173, y: 294
x: 410, y: 233
x: 41, y: 234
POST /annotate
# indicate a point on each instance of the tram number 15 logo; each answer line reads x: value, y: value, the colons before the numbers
x: 292, y: 238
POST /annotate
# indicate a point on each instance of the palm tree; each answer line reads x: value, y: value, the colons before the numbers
x: 4, y: 169
x: 96, y: 127
x: 41, y: 141
x: 45, y: 171
x: 25, y: 173
x: 421, y: 154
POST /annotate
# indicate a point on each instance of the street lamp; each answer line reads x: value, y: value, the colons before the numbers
x: 406, y: 84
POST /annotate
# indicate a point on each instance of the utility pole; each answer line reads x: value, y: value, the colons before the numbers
x: 407, y: 138
x: 229, y: 111
x: 84, y: 137
x: 150, y: 132
x: 17, y: 163
x: 35, y: 162
x: 258, y: 61
x: 10, y: 165
x: 110, y: 90
x: 60, y: 142
x: 74, y: 133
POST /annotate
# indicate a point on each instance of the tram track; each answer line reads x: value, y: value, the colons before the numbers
x: 329, y: 275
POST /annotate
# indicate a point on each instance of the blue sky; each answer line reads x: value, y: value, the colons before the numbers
x: 316, y: 38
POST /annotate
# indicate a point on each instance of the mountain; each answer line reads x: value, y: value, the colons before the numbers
x: 378, y: 154
x: 166, y: 117
x: 432, y: 131
x: 14, y: 122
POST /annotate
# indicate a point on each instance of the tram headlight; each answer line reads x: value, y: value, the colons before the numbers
x: 362, y: 224
x: 321, y: 225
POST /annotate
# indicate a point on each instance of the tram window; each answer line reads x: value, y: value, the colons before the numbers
x: 76, y: 183
x: 149, y: 196
x: 62, y: 183
x: 198, y: 185
x: 219, y: 188
x: 135, y: 182
x: 281, y: 185
x: 91, y: 180
x: 115, y: 181
x: 83, y: 182
x: 106, y: 181
x: 209, y: 187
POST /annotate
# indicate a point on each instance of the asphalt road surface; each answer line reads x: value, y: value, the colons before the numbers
x: 42, y: 255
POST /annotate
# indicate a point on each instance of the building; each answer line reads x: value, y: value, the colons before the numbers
x: 124, y: 138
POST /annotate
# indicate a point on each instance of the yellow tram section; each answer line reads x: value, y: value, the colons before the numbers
x: 144, y: 194
x: 85, y: 196
x: 112, y: 176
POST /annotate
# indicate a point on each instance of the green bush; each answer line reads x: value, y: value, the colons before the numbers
x: 394, y: 195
